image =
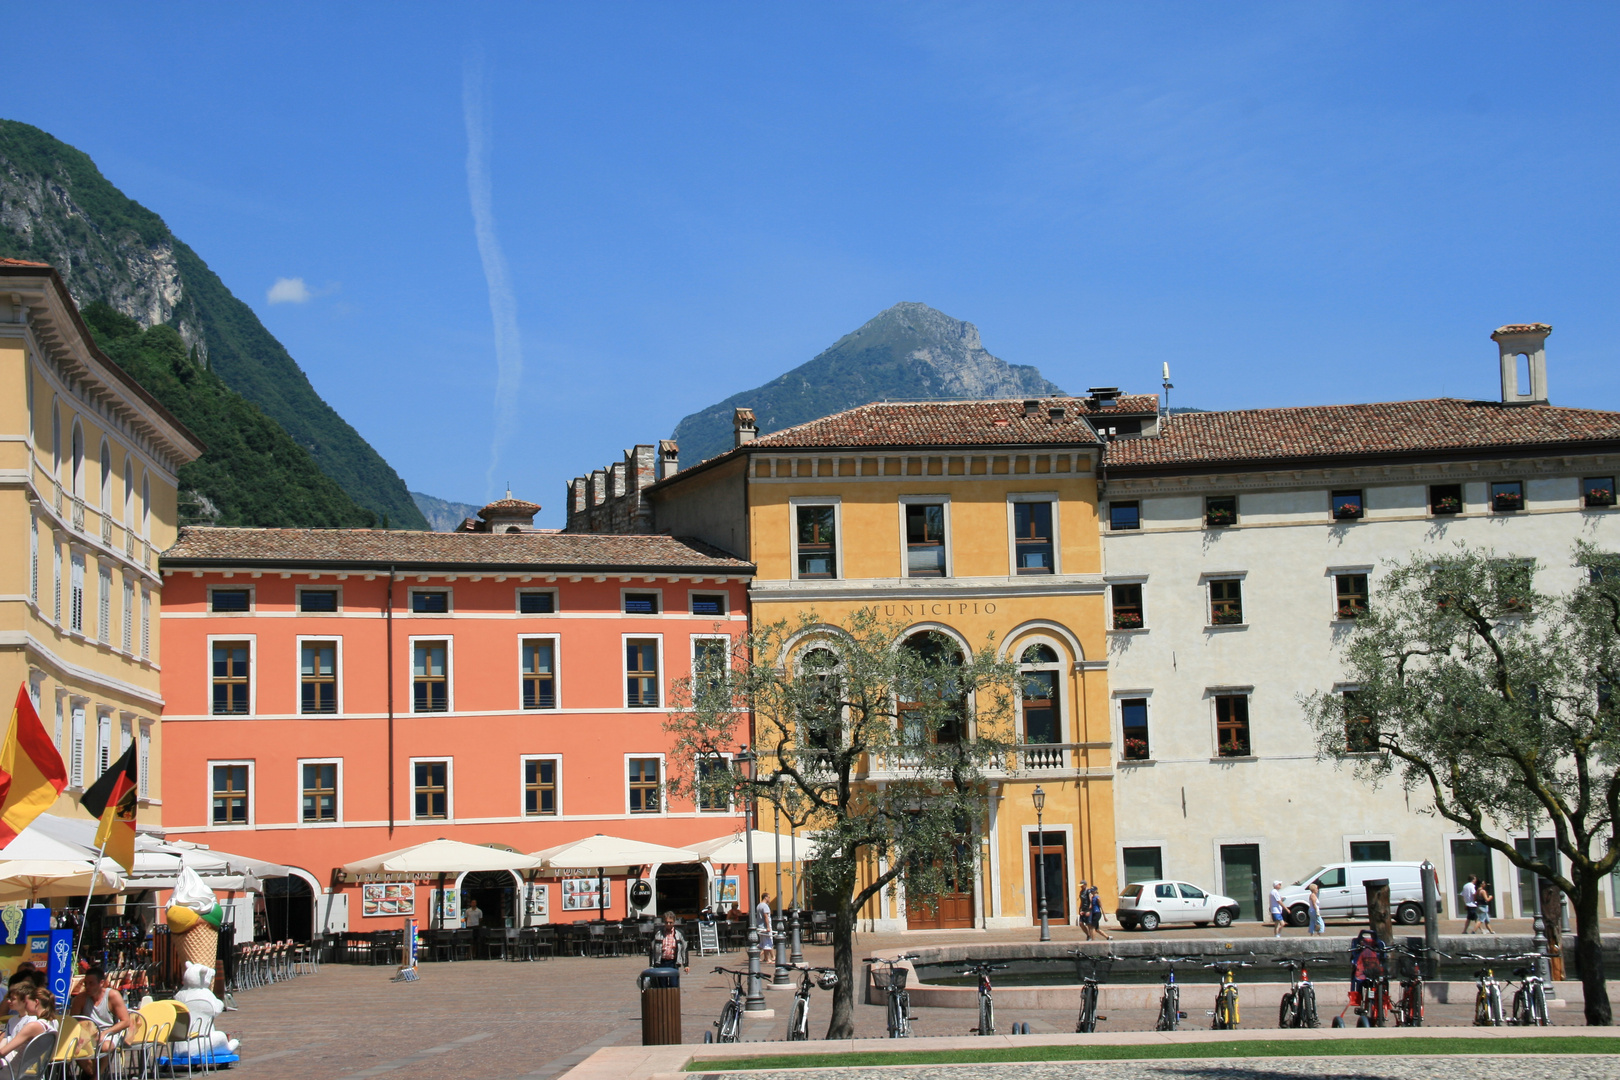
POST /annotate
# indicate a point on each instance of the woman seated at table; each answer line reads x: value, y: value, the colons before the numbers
x: 35, y: 1009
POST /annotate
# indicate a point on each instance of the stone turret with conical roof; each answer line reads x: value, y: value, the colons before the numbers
x: 506, y: 515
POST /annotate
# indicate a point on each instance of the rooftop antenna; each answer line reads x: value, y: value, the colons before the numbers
x: 1168, y: 386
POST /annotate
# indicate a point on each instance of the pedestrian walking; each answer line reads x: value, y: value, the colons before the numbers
x: 1314, y: 900
x: 1470, y: 902
x: 1279, y: 914
x: 1094, y: 913
x: 1085, y: 911
x: 762, y: 920
x: 1482, y: 901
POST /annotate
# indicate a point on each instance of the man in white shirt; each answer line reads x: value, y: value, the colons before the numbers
x: 1470, y: 900
x: 762, y: 919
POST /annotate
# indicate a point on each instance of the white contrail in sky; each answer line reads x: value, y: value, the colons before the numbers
x: 502, y: 304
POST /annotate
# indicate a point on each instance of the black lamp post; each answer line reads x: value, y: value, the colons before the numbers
x: 1040, y: 858
x: 756, y: 999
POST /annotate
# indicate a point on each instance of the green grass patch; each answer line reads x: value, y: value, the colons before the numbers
x: 1345, y: 1047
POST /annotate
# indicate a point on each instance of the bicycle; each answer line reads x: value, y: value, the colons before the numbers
x: 799, y: 1018
x: 1530, y: 999
x: 1369, y: 980
x: 1170, y: 1014
x: 987, y: 1009
x: 730, y: 1022
x: 1100, y: 966
x: 1488, y: 998
x: 1225, y: 1013
x: 1298, y: 1007
x: 1409, y: 1008
x: 899, y: 998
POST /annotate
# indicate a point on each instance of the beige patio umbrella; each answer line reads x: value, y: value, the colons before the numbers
x: 34, y: 865
x: 611, y: 855
x: 441, y: 857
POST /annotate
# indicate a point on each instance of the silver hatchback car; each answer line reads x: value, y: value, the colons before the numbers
x: 1144, y: 905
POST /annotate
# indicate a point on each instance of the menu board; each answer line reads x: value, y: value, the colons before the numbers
x: 394, y: 898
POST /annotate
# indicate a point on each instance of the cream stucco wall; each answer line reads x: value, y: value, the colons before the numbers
x: 1189, y: 802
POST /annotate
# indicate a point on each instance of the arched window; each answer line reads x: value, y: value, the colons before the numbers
x: 106, y: 477
x: 1042, y: 707
x: 78, y: 459
x: 932, y: 684
x: 146, y: 506
x: 129, y: 489
x: 820, y: 715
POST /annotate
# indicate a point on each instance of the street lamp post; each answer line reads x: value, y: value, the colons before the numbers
x: 1040, y: 858
x: 756, y: 999
x: 797, y: 956
x: 778, y: 931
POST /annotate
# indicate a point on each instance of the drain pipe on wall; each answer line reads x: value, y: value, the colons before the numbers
x: 388, y: 616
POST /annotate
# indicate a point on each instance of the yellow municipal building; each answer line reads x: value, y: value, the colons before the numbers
x: 976, y: 520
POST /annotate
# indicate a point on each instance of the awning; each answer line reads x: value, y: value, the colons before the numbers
x: 441, y: 857
x: 611, y: 855
x: 732, y: 849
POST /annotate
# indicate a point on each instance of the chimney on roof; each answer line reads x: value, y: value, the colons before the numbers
x: 742, y: 427
x: 1104, y: 397
x: 669, y: 459
x: 1032, y: 407
x: 1526, y: 341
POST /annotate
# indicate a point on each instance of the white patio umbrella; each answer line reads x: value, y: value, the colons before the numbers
x: 442, y: 857
x: 35, y: 865
x: 732, y: 849
x: 611, y: 855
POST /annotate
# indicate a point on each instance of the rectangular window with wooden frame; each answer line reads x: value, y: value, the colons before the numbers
x: 231, y: 677
x: 714, y: 791
x: 645, y: 785
x: 539, y: 673
x: 1347, y: 505
x: 317, y: 677
x: 817, y: 534
x: 540, y: 787
x: 1127, y: 600
x: 1032, y: 538
x: 230, y: 794
x: 430, y: 790
x: 641, y: 673
x: 318, y: 794
x: 1133, y: 723
x: 1225, y: 601
x: 1350, y: 595
x: 430, y: 677
x: 925, y: 540
x: 1232, y: 725
x: 1360, y: 733
x: 1597, y: 492
x: 1445, y: 499
x: 1220, y: 511
x: 711, y: 664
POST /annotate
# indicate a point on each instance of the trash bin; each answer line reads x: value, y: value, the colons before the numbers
x: 660, y: 1006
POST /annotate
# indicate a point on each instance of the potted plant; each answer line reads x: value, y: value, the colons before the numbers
x: 1347, y: 511
x: 1351, y: 611
x: 1127, y: 620
x: 1218, y: 517
x: 1507, y: 500
x: 1447, y: 504
x: 1599, y: 496
x: 1227, y: 617
x: 1232, y: 748
x: 1136, y: 749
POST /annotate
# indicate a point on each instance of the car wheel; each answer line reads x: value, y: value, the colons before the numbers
x: 1223, y: 918
x: 1150, y: 921
x: 1299, y: 915
x: 1127, y: 924
x: 1408, y: 914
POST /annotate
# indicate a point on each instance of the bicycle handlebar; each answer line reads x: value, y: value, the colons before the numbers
x: 1303, y: 960
x: 731, y: 971
x: 1228, y: 964
x: 879, y: 960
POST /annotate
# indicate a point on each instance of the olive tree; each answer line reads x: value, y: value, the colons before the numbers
x: 873, y: 739
x: 1495, y: 700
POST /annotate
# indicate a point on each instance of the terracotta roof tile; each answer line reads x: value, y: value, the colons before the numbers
x: 1398, y: 428
x: 202, y: 545
x: 955, y: 423
x: 1521, y: 328
x: 512, y: 504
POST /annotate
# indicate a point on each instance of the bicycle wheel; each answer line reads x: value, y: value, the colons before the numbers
x: 799, y: 1021
x: 894, y: 1016
x: 730, y: 1018
x: 1496, y: 1006
x: 987, y: 1017
x: 904, y: 1010
x: 1307, y: 1007
x: 1520, y: 1012
x: 1285, y: 1011
x: 1169, y: 1010
x: 1414, y: 1006
x: 1482, y: 1008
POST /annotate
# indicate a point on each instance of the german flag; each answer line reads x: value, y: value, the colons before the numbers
x: 31, y: 771
x: 112, y: 799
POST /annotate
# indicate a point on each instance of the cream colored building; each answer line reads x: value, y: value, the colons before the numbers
x: 1237, y: 547
x: 88, y: 463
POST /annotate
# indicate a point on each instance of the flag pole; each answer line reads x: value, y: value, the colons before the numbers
x: 84, y: 920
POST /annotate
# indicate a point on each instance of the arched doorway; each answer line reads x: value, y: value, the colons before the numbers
x: 496, y: 892
x: 680, y: 887
x: 289, y: 908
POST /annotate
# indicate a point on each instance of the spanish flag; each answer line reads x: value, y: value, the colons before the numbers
x: 31, y: 771
x: 112, y: 799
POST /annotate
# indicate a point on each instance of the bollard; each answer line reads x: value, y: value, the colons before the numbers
x: 660, y: 1006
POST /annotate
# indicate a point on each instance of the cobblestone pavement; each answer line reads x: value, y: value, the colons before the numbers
x: 1519, y: 1067
x: 489, y: 1019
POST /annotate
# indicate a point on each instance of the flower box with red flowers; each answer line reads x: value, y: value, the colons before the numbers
x: 1351, y: 611
x: 1227, y: 618
x: 1127, y: 620
x: 1219, y: 518
x: 1347, y: 511
x: 1135, y: 749
x: 1447, y: 505
x: 1599, y: 496
x: 1505, y: 501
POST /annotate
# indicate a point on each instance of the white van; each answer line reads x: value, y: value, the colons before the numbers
x: 1343, y: 891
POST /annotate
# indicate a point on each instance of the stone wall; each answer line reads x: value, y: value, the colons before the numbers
x: 612, y: 500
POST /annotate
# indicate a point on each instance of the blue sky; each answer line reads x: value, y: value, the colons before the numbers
x: 1292, y: 204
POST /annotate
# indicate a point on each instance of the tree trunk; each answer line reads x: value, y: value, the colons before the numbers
x: 842, y: 1024
x: 1589, y: 951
